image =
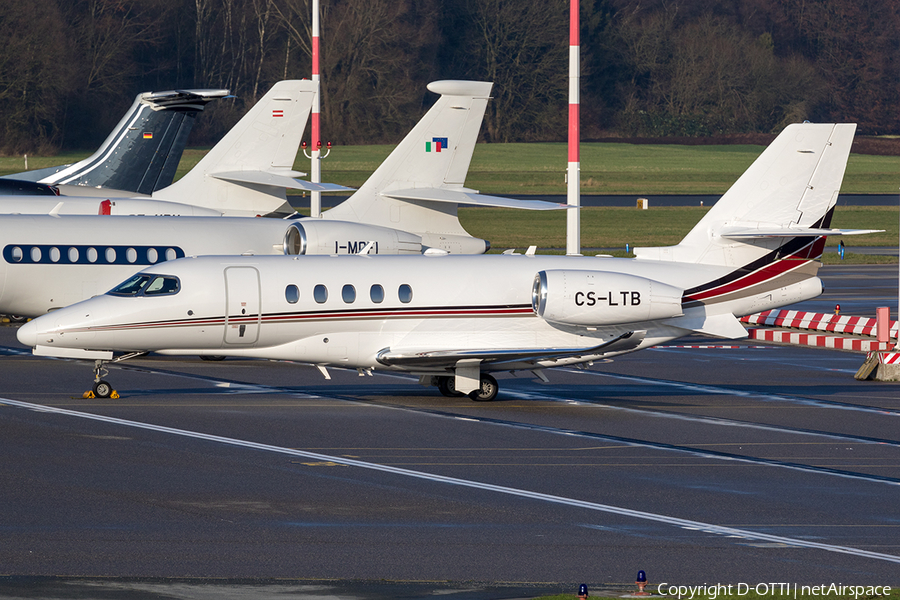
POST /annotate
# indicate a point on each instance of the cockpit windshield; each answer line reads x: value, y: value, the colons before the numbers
x: 147, y: 285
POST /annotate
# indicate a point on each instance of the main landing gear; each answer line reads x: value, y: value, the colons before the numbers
x: 486, y: 392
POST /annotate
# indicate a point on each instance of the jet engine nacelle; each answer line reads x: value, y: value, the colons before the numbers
x: 593, y: 298
x: 318, y: 236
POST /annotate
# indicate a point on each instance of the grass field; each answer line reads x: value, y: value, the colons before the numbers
x: 611, y: 228
x: 606, y: 168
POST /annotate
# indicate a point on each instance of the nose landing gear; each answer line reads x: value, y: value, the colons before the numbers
x: 102, y: 388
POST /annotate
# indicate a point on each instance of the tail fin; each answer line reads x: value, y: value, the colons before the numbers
x: 418, y: 187
x: 781, y: 207
x: 143, y: 151
x: 247, y: 172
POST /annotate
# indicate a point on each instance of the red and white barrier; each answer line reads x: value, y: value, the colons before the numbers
x: 820, y: 340
x: 889, y: 358
x: 817, y: 322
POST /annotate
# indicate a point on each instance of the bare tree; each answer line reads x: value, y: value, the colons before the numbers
x: 376, y: 57
x: 34, y: 75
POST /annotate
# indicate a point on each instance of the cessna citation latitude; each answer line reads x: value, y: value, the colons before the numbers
x: 140, y: 156
x: 408, y: 206
x: 452, y: 320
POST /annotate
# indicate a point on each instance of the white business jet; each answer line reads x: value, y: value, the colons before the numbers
x: 454, y: 319
x: 51, y: 261
x: 139, y: 156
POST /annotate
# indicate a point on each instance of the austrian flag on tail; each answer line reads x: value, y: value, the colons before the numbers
x: 436, y: 144
x: 277, y: 113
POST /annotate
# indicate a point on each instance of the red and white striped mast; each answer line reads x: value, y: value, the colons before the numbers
x: 315, y: 198
x: 573, y: 172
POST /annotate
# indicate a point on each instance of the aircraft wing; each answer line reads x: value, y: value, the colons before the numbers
x: 278, y: 180
x: 750, y: 232
x: 449, y: 358
x: 471, y: 197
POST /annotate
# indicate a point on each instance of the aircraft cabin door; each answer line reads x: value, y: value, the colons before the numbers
x: 242, y: 305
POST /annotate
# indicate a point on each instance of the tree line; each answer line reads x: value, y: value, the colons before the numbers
x: 70, y: 68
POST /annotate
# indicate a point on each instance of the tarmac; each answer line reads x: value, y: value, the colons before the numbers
x: 701, y: 461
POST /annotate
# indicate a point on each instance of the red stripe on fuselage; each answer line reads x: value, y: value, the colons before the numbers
x: 768, y: 272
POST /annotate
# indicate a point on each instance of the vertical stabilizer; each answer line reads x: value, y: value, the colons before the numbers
x: 143, y: 151
x: 789, y: 191
x: 435, y: 155
x: 247, y: 172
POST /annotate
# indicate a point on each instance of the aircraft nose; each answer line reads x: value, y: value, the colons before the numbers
x: 27, y: 334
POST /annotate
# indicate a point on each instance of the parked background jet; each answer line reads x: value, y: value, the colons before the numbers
x: 454, y: 319
x: 46, y: 261
x: 139, y: 156
x: 245, y: 174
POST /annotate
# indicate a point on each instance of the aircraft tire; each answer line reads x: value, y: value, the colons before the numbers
x: 102, y: 389
x: 447, y: 387
x: 216, y: 357
x: 487, y: 391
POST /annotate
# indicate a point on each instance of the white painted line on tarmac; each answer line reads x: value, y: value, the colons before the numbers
x: 637, y: 514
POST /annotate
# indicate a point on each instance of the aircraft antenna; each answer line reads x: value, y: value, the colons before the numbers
x: 573, y: 172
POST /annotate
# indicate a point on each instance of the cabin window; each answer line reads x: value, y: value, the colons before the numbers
x: 292, y: 294
x: 348, y: 293
x: 405, y: 293
x: 170, y: 254
x: 162, y: 285
x: 73, y: 255
x: 17, y: 254
x: 92, y: 255
x: 35, y: 254
x: 152, y: 255
x: 376, y: 293
x: 320, y: 293
x: 131, y: 255
x: 110, y: 255
x: 54, y: 254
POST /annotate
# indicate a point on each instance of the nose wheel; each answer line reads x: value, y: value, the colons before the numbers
x: 102, y: 388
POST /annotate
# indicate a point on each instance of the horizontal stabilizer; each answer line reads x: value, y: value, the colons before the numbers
x: 749, y: 232
x: 449, y: 358
x: 722, y: 326
x: 72, y: 353
x: 471, y: 197
x: 278, y: 180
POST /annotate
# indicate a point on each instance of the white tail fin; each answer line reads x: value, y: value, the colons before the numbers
x: 777, y: 208
x: 247, y: 172
x: 143, y: 150
x: 434, y: 155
